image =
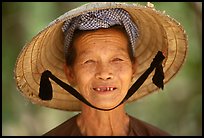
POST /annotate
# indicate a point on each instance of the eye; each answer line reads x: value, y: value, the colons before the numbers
x: 89, y: 61
x: 117, y: 60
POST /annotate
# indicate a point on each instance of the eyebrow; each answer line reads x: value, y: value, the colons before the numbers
x: 85, y: 54
x: 118, y: 49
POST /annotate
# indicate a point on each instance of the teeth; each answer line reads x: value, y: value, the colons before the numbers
x: 104, y: 89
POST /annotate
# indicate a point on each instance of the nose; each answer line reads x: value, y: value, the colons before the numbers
x: 104, y: 72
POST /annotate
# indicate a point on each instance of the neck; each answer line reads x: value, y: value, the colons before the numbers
x: 103, y: 123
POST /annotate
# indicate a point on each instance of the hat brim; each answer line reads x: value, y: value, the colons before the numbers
x: 157, y: 31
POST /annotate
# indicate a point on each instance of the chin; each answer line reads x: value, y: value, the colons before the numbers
x: 105, y: 104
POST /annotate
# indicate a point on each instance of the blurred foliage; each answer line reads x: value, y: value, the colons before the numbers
x: 176, y: 110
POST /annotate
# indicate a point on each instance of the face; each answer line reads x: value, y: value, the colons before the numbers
x: 102, y: 71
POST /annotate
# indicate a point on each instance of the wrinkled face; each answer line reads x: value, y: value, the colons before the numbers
x: 102, y: 71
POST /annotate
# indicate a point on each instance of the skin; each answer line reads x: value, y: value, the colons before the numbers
x: 102, y: 73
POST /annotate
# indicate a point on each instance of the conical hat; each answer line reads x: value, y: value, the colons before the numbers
x: 157, y: 32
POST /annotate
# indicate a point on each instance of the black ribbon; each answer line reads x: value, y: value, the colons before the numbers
x: 45, y: 91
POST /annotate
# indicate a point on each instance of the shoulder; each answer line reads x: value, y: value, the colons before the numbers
x: 67, y: 128
x: 141, y: 128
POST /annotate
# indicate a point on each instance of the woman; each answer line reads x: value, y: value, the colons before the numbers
x: 108, y: 53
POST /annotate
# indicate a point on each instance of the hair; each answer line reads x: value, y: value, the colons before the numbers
x: 71, y: 54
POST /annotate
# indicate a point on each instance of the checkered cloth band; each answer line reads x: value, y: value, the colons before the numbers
x: 100, y: 19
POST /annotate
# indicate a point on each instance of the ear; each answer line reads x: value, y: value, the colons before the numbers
x: 69, y: 74
x: 134, y: 68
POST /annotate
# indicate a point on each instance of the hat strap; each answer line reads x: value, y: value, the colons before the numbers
x: 45, y: 91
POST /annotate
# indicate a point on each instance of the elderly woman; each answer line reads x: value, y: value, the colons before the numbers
x: 102, y: 55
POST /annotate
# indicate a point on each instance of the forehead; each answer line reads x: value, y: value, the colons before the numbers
x: 114, y: 38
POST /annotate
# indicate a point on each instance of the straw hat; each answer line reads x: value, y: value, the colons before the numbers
x: 157, y: 31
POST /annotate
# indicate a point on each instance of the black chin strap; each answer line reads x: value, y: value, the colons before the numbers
x: 45, y: 91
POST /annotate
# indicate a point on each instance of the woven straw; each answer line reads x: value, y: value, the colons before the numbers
x: 157, y: 31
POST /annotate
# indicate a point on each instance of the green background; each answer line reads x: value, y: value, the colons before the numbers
x: 176, y: 110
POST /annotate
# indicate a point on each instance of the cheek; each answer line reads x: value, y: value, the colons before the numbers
x: 83, y: 78
x: 124, y: 70
x: 125, y: 74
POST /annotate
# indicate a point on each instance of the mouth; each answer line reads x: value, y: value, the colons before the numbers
x: 104, y: 89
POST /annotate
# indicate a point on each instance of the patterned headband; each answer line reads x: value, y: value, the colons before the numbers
x: 100, y: 19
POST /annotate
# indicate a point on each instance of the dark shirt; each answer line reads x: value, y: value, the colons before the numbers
x: 136, y: 128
